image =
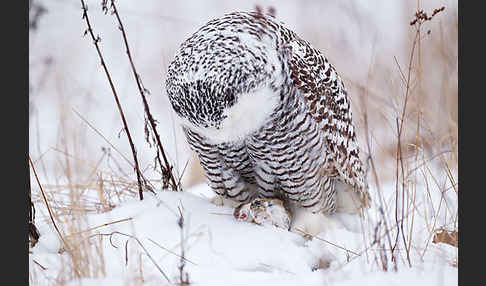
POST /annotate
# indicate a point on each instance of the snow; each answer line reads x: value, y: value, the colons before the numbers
x: 223, y: 251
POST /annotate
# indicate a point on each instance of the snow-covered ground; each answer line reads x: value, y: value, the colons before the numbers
x: 220, y: 250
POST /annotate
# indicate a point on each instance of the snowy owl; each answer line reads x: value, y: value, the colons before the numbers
x: 268, y: 116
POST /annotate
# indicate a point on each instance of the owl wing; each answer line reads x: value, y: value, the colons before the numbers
x: 323, y: 90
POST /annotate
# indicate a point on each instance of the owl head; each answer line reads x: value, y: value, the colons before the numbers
x: 225, y: 79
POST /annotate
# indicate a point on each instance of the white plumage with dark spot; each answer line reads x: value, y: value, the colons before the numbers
x: 267, y: 115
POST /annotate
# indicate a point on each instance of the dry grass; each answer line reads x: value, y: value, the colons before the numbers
x: 421, y: 130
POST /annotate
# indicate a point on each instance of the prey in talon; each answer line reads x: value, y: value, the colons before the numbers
x: 264, y: 211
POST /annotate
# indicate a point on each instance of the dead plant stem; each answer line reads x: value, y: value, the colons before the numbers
x: 47, y: 205
x: 96, y: 40
x: 142, y: 91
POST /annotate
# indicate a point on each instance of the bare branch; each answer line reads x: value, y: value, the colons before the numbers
x: 166, y: 168
x: 51, y: 216
x: 96, y: 41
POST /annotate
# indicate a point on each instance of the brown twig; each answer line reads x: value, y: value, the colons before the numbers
x: 102, y: 225
x: 420, y: 18
x: 399, y: 159
x: 166, y: 168
x: 40, y: 265
x: 326, y: 241
x: 377, y: 183
x: 96, y: 40
x: 47, y: 205
x: 33, y: 231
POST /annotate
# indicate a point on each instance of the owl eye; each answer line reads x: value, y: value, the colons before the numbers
x: 243, y: 216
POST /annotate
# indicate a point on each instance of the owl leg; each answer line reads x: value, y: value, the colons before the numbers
x: 313, y: 215
x: 311, y: 224
x: 340, y: 209
x: 223, y: 178
x: 229, y: 186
